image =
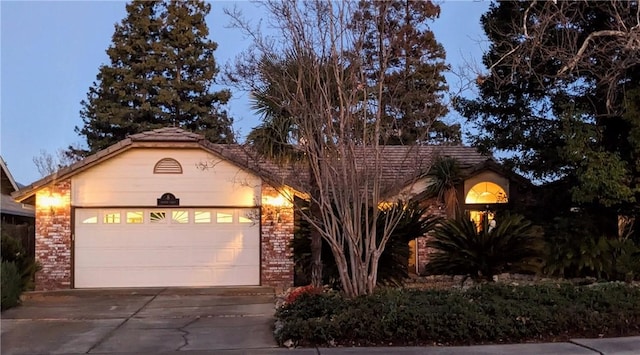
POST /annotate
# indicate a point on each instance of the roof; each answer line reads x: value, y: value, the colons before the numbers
x: 10, y: 206
x: 492, y: 165
x: 7, y: 204
x: 399, y: 163
x: 8, y: 183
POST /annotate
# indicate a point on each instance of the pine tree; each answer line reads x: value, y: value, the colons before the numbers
x: 414, y: 84
x: 160, y: 74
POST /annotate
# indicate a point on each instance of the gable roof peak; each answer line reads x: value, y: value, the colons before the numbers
x: 7, y: 177
x: 166, y: 134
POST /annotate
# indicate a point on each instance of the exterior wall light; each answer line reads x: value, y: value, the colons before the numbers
x: 282, y: 200
x: 49, y: 200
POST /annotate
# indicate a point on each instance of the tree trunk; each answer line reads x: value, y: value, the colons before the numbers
x: 316, y: 257
x: 316, y: 237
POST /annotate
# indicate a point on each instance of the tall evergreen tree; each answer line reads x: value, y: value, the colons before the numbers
x: 560, y: 95
x: 160, y: 74
x: 414, y: 85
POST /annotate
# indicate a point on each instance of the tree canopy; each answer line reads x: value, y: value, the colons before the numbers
x: 160, y: 74
x: 397, y: 38
x: 561, y: 95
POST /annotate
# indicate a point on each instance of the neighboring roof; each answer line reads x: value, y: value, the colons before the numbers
x: 7, y: 204
x: 8, y: 183
x: 10, y: 206
x: 398, y: 162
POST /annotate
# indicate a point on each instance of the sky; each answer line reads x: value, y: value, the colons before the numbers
x: 51, y: 51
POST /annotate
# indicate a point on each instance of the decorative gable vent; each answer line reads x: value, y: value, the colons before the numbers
x: 167, y: 166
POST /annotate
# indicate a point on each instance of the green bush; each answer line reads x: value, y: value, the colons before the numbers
x: 11, y: 248
x: 12, y: 251
x: 488, y: 313
x: 10, y: 285
x: 578, y: 246
x: 460, y: 248
x: 392, y: 267
x: 625, y: 264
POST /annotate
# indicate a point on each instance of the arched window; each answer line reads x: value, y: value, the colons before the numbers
x: 486, y: 193
x: 167, y: 166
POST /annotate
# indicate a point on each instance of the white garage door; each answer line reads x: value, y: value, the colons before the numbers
x: 166, y: 247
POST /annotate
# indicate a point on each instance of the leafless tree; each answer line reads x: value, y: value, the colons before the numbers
x: 580, y: 47
x: 334, y: 104
x: 48, y: 163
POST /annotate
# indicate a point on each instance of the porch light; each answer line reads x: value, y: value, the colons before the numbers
x: 48, y: 200
x: 283, y: 199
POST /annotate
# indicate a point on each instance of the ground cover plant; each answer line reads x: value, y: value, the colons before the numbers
x: 488, y: 313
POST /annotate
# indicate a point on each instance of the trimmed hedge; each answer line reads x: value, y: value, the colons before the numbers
x: 488, y: 313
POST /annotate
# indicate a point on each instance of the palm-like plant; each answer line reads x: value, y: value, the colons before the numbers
x: 273, y: 137
x: 514, y: 245
x: 446, y: 174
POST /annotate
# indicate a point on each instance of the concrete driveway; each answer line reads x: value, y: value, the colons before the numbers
x: 141, y: 321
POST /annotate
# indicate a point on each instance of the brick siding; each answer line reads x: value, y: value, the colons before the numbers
x: 53, y: 237
x: 277, y: 233
x: 434, y: 208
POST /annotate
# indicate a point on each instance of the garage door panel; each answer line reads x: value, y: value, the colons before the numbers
x: 246, y: 256
x: 179, y: 277
x: 168, y: 254
x: 158, y: 237
x: 165, y: 257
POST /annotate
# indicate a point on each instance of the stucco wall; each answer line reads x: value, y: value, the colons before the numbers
x: 128, y: 180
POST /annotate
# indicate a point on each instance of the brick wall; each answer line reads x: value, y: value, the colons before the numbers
x: 53, y: 236
x: 435, y: 208
x: 277, y: 232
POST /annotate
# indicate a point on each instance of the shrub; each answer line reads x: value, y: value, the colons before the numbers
x: 625, y: 263
x: 13, y: 251
x: 11, y: 248
x: 299, y: 291
x: 460, y: 248
x: 11, y: 284
x: 392, y: 267
x: 578, y: 246
x: 488, y: 313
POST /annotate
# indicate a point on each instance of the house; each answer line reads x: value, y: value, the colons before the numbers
x: 168, y: 208
x: 17, y: 218
x: 11, y: 211
x: 485, y: 188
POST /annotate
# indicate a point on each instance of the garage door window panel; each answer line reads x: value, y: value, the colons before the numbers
x: 158, y: 217
x: 135, y: 217
x: 248, y: 216
x: 202, y: 217
x: 224, y: 217
x: 88, y: 216
x: 111, y: 218
x: 180, y: 217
